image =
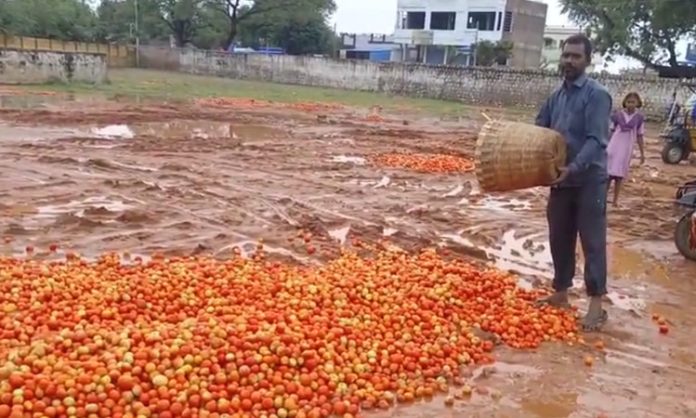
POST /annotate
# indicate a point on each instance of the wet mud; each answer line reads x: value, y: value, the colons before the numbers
x: 204, y: 177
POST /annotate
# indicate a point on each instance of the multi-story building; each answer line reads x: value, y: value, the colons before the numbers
x: 554, y: 36
x: 444, y: 31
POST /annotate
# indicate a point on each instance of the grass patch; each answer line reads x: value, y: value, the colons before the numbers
x: 179, y: 86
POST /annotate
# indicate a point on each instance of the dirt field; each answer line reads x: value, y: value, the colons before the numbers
x: 188, y: 177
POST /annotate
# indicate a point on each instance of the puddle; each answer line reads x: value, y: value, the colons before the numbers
x: 524, y: 255
x: 99, y: 201
x: 97, y: 204
x: 340, y: 234
x: 349, y: 159
x: 10, y: 133
x: 383, y: 182
x: 498, y: 204
x: 561, y: 405
x: 194, y: 129
x: 388, y: 232
x: 504, y: 368
x: 627, y: 262
x: 454, y: 192
x: 522, y: 251
x: 628, y: 303
x: 114, y: 132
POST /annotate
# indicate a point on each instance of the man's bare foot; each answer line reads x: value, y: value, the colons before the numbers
x: 596, y: 316
x: 557, y: 300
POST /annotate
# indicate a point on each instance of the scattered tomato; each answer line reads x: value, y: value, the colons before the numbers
x: 427, y: 163
x: 589, y: 361
x: 195, y: 336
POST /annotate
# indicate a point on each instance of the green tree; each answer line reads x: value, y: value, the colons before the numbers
x: 183, y: 17
x: 212, y: 30
x: 490, y: 53
x: 117, y: 21
x: 304, y: 35
x: 646, y: 30
x: 56, y: 19
x: 265, y: 17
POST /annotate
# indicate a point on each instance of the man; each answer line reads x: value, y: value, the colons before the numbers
x: 579, y: 109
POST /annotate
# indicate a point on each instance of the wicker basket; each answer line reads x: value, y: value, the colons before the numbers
x: 513, y: 155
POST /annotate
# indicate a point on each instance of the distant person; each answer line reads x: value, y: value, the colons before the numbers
x: 628, y: 127
x: 673, y: 109
x: 691, y: 107
x: 579, y: 109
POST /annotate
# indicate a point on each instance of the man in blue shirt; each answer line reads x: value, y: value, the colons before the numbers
x: 579, y: 109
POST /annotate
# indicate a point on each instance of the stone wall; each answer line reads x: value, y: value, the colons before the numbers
x: 33, y: 67
x: 470, y: 85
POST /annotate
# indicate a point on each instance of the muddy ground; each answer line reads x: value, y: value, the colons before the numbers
x: 185, y: 178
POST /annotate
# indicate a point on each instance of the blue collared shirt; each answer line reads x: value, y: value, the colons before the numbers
x: 580, y: 111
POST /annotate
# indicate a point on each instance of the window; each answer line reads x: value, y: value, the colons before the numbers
x: 357, y: 55
x: 549, y: 43
x: 415, y: 20
x: 442, y: 20
x: 481, y: 21
x: 500, y: 21
x: 507, y: 23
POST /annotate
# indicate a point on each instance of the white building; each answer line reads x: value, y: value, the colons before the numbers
x: 554, y: 36
x: 436, y: 31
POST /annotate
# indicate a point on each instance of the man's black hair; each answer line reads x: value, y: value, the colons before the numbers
x: 580, y: 39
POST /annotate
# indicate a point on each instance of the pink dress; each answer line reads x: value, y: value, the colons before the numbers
x: 624, y: 135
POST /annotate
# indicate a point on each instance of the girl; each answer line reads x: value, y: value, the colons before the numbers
x: 628, y: 127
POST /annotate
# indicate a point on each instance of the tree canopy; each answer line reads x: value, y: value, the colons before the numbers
x: 646, y: 30
x: 55, y: 19
x: 491, y: 53
x: 299, y: 26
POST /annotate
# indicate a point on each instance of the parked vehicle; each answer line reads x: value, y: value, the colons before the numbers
x: 685, y: 232
x: 680, y: 134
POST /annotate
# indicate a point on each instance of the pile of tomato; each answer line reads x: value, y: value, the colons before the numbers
x: 199, y: 337
x: 425, y: 163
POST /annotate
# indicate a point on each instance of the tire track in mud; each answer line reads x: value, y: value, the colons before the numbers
x: 183, y: 193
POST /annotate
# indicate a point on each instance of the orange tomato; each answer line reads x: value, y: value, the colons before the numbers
x: 195, y: 336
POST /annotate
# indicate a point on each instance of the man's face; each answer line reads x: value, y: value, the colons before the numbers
x: 573, y: 61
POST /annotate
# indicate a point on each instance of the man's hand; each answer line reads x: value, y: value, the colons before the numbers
x: 562, y: 176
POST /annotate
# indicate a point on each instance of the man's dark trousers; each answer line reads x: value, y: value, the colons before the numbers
x: 572, y: 211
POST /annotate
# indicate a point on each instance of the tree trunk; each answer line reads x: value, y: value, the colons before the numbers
x: 182, y: 32
x: 232, y: 33
x: 179, y: 35
x: 672, y: 54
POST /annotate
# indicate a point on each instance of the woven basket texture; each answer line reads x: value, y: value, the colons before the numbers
x: 514, y: 156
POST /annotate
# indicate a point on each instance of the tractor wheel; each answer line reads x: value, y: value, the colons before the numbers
x: 682, y: 236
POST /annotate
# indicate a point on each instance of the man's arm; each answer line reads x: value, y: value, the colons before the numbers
x: 597, y: 114
x: 543, y: 118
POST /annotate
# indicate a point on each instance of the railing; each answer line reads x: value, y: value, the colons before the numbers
x: 116, y: 55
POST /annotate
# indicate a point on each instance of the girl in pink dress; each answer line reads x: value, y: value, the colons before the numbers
x: 628, y: 127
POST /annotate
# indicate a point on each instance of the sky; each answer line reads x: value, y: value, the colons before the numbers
x: 378, y: 16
